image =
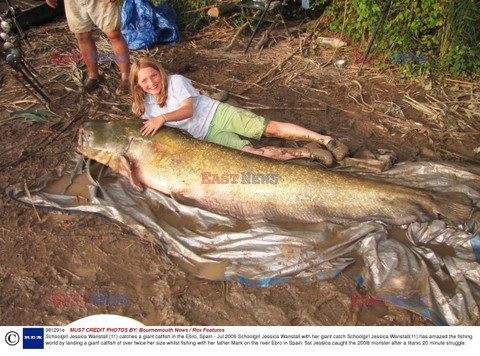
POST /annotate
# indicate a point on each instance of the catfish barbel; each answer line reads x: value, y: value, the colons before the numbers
x: 179, y: 166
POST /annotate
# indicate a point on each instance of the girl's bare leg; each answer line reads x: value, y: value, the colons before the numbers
x: 294, y: 132
x: 287, y: 153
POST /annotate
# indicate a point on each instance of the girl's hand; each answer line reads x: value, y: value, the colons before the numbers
x: 150, y: 127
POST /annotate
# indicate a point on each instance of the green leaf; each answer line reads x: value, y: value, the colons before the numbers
x: 35, y: 115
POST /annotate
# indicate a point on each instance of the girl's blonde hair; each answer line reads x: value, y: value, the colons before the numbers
x: 138, y: 105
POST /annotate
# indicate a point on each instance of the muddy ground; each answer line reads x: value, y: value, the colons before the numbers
x: 74, y: 254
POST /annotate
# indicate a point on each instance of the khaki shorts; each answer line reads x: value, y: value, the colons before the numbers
x: 83, y: 15
x: 230, y: 121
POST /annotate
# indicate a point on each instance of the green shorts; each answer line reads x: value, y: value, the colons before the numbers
x: 229, y: 122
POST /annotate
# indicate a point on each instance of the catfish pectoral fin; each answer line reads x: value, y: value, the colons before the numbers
x: 125, y: 169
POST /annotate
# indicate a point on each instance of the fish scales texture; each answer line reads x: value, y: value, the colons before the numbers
x: 173, y: 163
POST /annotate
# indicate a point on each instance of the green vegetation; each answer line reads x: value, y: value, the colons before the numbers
x: 448, y: 30
x: 34, y: 115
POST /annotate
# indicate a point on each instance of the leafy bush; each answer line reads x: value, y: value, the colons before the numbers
x: 448, y: 31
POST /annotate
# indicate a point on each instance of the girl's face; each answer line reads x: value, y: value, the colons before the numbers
x: 150, y: 80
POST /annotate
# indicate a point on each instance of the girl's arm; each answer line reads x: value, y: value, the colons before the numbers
x: 185, y: 111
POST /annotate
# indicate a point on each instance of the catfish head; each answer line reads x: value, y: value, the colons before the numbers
x: 107, y: 141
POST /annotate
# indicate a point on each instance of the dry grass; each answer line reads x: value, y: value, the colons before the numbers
x: 450, y: 111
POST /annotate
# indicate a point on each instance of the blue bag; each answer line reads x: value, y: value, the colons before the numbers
x: 144, y: 25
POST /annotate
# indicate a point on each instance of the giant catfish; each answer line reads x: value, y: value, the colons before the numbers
x: 210, y: 176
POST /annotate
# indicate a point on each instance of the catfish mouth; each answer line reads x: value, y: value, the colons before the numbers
x: 101, y: 140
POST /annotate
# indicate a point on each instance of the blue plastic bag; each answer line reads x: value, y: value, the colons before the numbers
x: 144, y: 25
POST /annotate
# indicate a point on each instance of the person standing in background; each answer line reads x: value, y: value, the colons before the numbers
x: 82, y: 16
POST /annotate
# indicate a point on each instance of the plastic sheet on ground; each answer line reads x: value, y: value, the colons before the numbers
x: 430, y: 268
x: 144, y: 25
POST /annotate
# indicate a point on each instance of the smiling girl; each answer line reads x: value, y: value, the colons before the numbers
x: 171, y: 100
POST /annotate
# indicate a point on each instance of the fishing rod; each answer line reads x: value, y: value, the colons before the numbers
x: 370, y: 43
x: 11, y: 53
x: 11, y: 13
x: 13, y: 57
x: 266, y: 7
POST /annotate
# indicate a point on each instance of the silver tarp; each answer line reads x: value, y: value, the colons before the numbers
x: 430, y: 268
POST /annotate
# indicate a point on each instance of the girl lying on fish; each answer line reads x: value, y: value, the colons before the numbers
x: 171, y: 100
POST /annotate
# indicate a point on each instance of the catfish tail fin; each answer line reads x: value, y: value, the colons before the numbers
x: 455, y: 207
